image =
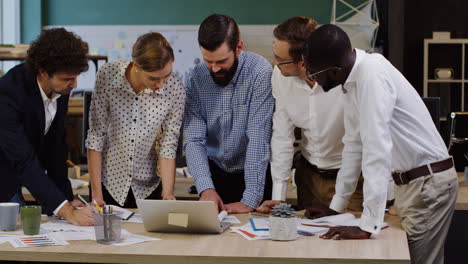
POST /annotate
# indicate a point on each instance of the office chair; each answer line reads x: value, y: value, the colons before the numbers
x: 458, y: 138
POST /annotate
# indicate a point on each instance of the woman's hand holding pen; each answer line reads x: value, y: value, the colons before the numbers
x: 99, y: 200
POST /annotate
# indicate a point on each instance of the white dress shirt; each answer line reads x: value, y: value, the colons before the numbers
x: 123, y: 126
x: 388, y: 128
x: 319, y: 114
x: 50, y: 109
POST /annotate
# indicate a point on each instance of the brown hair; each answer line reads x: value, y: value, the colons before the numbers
x: 295, y: 30
x: 217, y: 29
x: 58, y: 50
x: 152, y: 52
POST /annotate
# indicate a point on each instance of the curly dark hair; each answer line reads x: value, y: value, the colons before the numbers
x: 58, y: 50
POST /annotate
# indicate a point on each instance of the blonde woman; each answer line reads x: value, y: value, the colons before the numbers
x: 132, y: 100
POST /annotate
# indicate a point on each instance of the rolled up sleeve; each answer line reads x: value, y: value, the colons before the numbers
x: 98, y: 115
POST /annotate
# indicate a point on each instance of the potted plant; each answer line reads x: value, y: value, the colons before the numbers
x: 283, y: 224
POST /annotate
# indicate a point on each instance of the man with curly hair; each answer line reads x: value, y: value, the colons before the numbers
x: 33, y: 105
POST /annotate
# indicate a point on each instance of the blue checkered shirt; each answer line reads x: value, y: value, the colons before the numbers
x: 230, y: 125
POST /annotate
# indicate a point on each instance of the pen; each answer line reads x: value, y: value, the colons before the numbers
x: 84, y: 201
x: 97, y: 206
x: 258, y: 214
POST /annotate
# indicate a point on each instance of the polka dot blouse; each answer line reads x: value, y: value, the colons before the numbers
x: 123, y: 126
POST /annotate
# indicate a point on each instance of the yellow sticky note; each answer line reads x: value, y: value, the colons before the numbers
x: 119, y: 44
x: 177, y: 219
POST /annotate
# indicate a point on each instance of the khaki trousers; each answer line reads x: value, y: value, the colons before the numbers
x: 426, y: 207
x: 315, y: 190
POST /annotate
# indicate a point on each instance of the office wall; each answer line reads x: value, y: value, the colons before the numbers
x: 30, y: 19
x: 422, y: 17
x: 163, y: 12
x: 178, y: 12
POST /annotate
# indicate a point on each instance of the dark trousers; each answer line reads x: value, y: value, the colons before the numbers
x: 230, y: 186
x: 317, y: 189
x: 130, y: 202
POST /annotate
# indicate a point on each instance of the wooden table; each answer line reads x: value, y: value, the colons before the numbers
x: 390, y: 246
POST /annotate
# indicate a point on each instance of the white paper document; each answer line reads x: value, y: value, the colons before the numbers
x: 258, y: 228
x: 224, y: 217
x: 63, y: 230
x: 76, y: 184
x: 37, y: 241
x: 122, y: 212
x: 128, y: 238
x: 247, y: 232
x: 321, y: 225
x: 5, y: 236
x: 136, y: 218
x: 231, y: 219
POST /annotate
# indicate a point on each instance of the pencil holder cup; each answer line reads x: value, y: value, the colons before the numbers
x: 108, y: 228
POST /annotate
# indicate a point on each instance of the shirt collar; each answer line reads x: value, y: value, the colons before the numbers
x: 304, y: 86
x: 55, y: 96
x: 160, y: 91
x: 352, y: 77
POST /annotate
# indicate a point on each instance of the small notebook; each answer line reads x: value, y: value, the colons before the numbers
x: 122, y: 212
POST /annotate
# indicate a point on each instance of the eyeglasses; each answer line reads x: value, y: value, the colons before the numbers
x: 313, y: 76
x: 285, y: 62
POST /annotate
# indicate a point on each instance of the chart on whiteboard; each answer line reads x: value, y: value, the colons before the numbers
x: 116, y: 43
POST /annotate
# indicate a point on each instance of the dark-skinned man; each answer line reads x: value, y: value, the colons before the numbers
x: 388, y: 133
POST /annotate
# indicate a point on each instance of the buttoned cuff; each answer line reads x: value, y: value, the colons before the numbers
x: 203, y: 184
x: 95, y: 143
x: 338, y: 204
x: 57, y: 210
x: 370, y: 224
x: 251, y: 199
x: 279, y: 191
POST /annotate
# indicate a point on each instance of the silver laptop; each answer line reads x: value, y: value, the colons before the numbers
x: 181, y: 216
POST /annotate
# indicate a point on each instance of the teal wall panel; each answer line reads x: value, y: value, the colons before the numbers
x: 31, y: 19
x: 178, y: 12
x: 38, y: 13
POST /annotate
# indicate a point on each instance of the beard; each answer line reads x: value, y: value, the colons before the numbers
x: 223, y: 77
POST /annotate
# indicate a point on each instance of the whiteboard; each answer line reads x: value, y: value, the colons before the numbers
x: 116, y: 42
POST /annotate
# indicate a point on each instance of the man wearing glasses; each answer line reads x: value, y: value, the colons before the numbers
x: 302, y: 103
x: 389, y: 133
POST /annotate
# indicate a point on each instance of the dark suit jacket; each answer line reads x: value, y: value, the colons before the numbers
x: 27, y: 156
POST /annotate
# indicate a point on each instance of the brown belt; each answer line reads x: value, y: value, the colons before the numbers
x: 327, y: 174
x: 404, y: 177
